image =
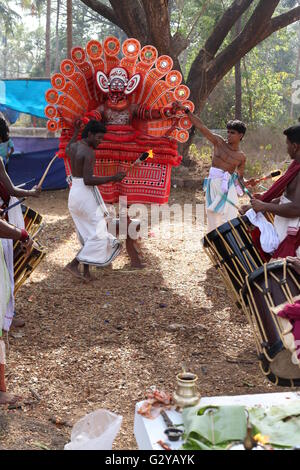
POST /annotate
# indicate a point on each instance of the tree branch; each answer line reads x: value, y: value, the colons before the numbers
x: 253, y: 33
x: 222, y: 28
x: 281, y: 21
x: 202, y: 11
x: 104, y: 11
x: 214, y: 42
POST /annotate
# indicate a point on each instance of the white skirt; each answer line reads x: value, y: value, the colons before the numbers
x: 99, y: 247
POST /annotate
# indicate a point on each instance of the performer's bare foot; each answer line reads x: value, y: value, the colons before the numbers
x: 18, y: 322
x: 73, y: 269
x: 133, y: 254
x: 8, y: 399
x: 86, y: 273
x: 137, y: 264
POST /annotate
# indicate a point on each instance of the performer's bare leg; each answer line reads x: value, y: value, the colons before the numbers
x: 133, y: 254
x: 5, y: 398
x: 86, y: 273
x: 73, y: 269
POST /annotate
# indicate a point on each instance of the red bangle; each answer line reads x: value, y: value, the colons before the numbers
x: 24, y: 236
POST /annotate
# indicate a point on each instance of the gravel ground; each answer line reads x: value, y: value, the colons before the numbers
x: 102, y: 345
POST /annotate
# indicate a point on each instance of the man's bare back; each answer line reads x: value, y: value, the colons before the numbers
x: 78, y: 152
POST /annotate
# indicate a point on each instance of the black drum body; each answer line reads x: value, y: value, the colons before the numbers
x: 25, y: 265
x: 231, y: 249
x: 265, y: 292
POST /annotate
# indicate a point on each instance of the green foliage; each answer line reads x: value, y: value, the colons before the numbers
x: 268, y: 71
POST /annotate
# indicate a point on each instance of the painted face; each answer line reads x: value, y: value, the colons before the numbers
x: 117, y: 85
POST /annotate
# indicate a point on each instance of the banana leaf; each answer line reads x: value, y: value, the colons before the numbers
x: 213, y: 428
x: 280, y: 423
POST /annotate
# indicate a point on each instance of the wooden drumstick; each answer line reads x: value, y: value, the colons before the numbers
x: 229, y: 201
x: 46, y: 172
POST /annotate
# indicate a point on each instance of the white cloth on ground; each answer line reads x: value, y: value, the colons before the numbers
x: 87, y: 209
x: 221, y: 198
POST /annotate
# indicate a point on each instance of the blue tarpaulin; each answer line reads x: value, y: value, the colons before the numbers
x: 31, y: 158
x: 25, y: 96
x: 10, y: 114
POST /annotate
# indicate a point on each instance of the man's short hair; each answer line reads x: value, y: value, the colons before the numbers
x: 95, y: 127
x: 293, y: 134
x: 238, y: 126
x: 4, y: 131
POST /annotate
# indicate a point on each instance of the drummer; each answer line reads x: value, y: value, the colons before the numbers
x: 228, y: 164
x: 8, y: 195
x: 7, y: 232
x: 282, y: 200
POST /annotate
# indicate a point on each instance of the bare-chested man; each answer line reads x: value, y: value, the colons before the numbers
x: 86, y: 205
x: 228, y: 164
x: 286, y: 208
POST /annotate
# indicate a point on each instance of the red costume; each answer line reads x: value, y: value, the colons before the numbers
x: 134, y: 97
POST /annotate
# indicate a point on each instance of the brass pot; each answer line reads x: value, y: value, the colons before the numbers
x: 186, y: 394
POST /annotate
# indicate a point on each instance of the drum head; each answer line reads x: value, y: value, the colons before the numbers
x: 283, y: 366
x: 223, y: 229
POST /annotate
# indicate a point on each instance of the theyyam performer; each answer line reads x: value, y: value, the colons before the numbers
x: 133, y: 91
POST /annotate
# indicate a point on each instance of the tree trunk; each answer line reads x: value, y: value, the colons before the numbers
x: 249, y: 93
x: 57, y: 37
x: 238, y: 79
x: 69, y: 28
x: 297, y: 70
x: 48, y: 37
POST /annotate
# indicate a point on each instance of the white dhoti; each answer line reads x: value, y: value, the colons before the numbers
x: 15, y: 217
x: 221, y: 197
x: 271, y: 236
x: 285, y: 226
x: 4, y: 299
x: 99, y: 247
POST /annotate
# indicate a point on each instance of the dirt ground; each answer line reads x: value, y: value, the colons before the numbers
x: 102, y: 345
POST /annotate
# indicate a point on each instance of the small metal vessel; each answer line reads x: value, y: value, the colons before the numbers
x: 186, y: 393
